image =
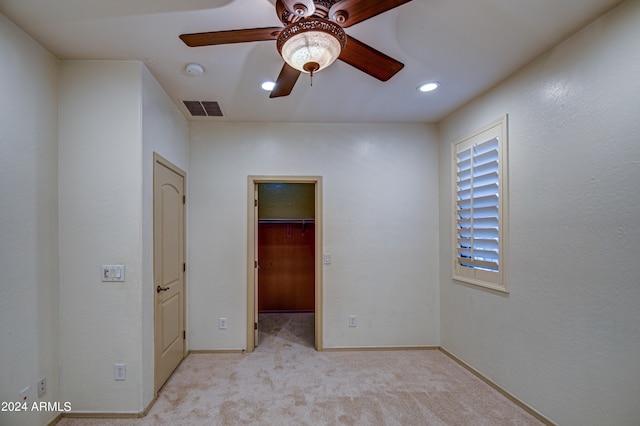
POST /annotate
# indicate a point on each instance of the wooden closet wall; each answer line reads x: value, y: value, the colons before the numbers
x: 287, y: 272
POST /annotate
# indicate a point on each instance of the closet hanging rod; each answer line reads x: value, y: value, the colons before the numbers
x: 285, y: 220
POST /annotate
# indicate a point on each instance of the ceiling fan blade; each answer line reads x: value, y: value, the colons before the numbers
x: 361, y: 10
x: 369, y: 60
x: 285, y: 82
x: 232, y: 36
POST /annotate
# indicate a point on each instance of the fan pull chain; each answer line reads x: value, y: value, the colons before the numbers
x: 311, y: 67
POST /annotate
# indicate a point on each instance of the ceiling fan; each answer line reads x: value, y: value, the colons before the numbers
x: 313, y: 37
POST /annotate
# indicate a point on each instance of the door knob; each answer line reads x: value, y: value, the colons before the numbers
x: 159, y: 289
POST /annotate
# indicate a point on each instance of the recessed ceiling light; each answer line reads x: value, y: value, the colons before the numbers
x: 268, y: 85
x: 428, y: 87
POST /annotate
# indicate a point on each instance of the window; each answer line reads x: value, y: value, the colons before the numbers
x: 480, y: 207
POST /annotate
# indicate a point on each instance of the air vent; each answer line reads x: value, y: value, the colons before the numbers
x: 203, y: 108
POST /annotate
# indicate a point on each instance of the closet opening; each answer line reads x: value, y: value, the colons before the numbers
x: 286, y: 248
x: 285, y: 254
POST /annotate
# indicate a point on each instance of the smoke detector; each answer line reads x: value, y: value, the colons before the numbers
x: 194, y: 70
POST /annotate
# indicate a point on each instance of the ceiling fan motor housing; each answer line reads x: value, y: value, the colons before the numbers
x: 295, y: 10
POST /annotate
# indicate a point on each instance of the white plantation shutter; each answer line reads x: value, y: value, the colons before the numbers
x: 479, y: 207
x: 478, y: 201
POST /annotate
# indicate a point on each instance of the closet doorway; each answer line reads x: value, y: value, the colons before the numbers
x: 285, y: 251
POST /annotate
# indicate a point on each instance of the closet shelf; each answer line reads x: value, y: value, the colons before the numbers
x: 303, y: 221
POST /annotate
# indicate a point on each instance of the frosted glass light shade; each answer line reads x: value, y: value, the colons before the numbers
x: 311, y: 41
x: 311, y: 46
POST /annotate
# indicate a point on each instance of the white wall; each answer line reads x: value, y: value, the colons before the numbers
x: 380, y: 184
x: 113, y: 116
x: 28, y: 222
x: 165, y: 131
x: 566, y: 340
x: 100, y: 193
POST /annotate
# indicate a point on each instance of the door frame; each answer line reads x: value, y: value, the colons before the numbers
x: 252, y: 188
x: 158, y: 159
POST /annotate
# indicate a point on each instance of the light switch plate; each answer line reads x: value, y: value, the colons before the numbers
x: 112, y: 273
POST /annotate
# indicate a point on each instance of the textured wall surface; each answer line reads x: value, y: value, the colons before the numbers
x: 380, y: 185
x: 106, y: 217
x: 28, y: 222
x: 164, y: 131
x: 566, y: 340
x: 100, y: 150
x: 286, y: 200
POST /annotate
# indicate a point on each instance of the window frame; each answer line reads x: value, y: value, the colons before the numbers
x: 476, y: 275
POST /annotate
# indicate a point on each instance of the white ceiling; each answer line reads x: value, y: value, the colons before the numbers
x: 466, y: 45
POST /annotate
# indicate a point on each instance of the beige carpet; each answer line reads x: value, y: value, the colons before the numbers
x: 286, y: 382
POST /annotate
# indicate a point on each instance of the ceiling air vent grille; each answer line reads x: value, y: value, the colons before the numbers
x: 203, y: 108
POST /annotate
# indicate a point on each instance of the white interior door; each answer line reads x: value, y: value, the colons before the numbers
x: 169, y: 268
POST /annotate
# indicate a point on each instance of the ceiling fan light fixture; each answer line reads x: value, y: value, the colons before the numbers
x: 311, y: 44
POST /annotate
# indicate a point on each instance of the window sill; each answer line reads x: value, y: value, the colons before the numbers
x: 479, y: 283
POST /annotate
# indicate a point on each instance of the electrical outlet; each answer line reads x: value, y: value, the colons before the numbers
x: 222, y: 324
x: 119, y: 371
x: 353, y: 321
x: 42, y: 387
x: 24, y: 394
